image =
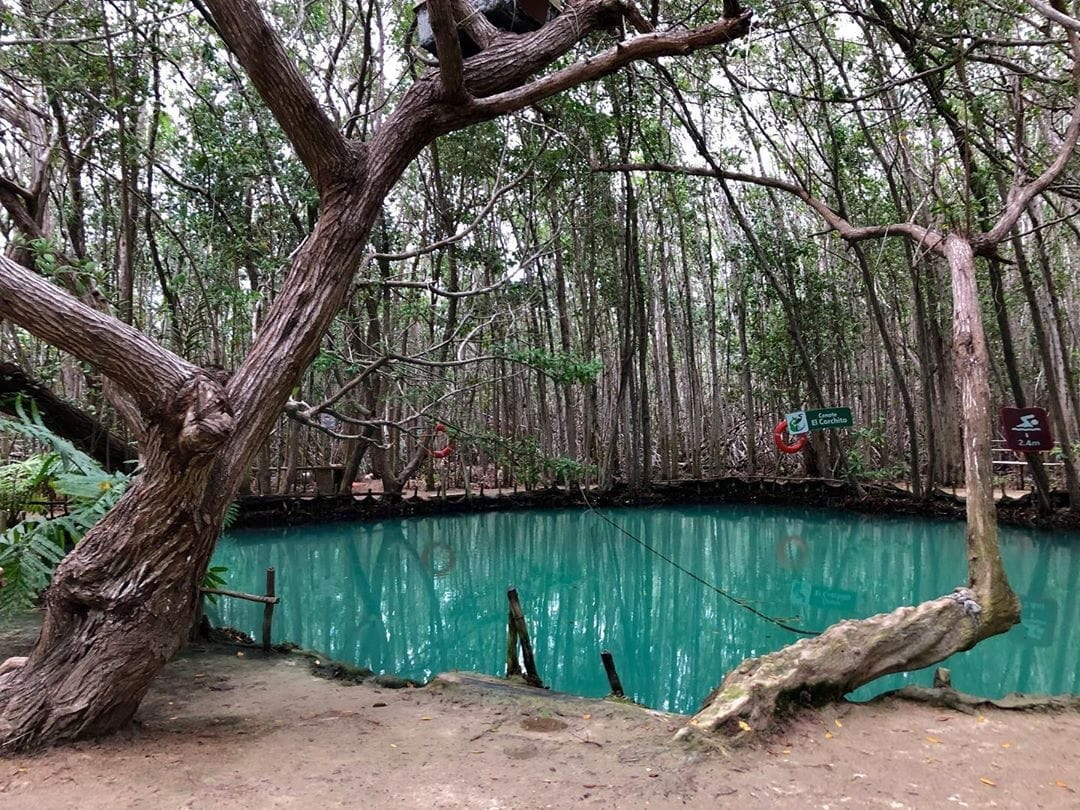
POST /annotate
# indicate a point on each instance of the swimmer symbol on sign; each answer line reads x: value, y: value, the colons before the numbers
x: 797, y: 424
x: 1026, y: 430
x: 1028, y: 423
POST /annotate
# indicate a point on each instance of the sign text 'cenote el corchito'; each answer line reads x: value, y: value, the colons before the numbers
x: 822, y: 419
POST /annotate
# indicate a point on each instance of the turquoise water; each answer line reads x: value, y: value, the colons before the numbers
x: 419, y: 596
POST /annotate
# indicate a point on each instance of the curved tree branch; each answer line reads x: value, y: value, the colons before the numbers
x: 1048, y: 11
x: 926, y: 237
x: 145, y: 370
x: 1020, y: 196
x: 497, y: 100
x: 320, y: 146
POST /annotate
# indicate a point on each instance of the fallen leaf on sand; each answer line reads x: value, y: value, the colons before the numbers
x: 744, y: 725
x: 838, y: 724
x: 986, y: 781
x: 828, y: 735
x: 931, y: 739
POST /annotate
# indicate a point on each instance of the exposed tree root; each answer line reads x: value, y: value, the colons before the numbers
x: 948, y: 698
x: 844, y: 657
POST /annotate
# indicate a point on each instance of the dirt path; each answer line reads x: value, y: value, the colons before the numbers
x: 240, y: 731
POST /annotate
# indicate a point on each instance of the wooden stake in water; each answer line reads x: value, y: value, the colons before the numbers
x: 612, y: 675
x: 517, y: 621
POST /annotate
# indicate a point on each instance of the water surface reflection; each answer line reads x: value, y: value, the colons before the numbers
x: 422, y: 595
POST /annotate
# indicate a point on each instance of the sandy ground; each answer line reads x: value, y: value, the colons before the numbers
x: 233, y: 729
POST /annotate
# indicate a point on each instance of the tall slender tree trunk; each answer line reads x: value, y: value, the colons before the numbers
x: 1012, y: 370
x: 1056, y: 387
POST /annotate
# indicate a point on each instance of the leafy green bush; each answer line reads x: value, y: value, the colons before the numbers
x: 31, y: 549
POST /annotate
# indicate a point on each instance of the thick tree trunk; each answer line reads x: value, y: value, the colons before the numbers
x: 122, y: 602
x: 120, y: 606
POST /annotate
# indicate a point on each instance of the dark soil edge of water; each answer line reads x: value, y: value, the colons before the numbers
x: 274, y: 510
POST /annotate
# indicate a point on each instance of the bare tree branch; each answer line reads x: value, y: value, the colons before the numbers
x: 667, y: 43
x: 850, y: 233
x: 433, y: 288
x: 457, y: 237
x: 448, y: 48
x: 318, y: 143
x: 1020, y: 196
x: 1048, y: 11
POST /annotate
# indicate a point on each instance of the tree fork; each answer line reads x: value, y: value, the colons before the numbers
x: 121, y: 602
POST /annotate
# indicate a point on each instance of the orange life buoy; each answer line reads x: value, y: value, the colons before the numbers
x: 444, y: 452
x: 439, y: 559
x: 782, y: 444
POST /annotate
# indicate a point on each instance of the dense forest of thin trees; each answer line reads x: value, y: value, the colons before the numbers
x: 290, y: 242
x: 622, y: 283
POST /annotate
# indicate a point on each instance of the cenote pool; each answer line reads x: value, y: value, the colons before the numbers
x: 418, y: 596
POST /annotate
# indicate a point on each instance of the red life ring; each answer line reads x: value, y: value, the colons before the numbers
x: 779, y: 436
x: 444, y: 452
x: 444, y: 559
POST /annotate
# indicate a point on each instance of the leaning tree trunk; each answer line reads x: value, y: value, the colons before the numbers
x: 853, y: 653
x: 122, y: 602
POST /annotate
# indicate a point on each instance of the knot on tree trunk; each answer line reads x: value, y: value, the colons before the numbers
x: 206, y: 418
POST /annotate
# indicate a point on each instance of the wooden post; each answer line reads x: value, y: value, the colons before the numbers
x: 513, y: 666
x: 517, y: 617
x: 268, y: 610
x: 612, y: 675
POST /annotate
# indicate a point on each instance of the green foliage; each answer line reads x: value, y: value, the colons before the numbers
x: 866, y: 447
x: 28, y: 554
x: 214, y: 578
x: 563, y: 367
x: 46, y: 255
x: 30, y: 550
x: 25, y: 481
x: 567, y: 470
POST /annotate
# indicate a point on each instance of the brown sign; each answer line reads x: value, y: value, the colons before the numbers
x: 1026, y: 430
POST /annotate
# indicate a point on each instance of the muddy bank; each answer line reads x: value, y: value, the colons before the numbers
x: 233, y: 728
x: 257, y: 511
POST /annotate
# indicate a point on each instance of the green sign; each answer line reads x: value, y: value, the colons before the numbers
x: 829, y: 418
x: 800, y: 422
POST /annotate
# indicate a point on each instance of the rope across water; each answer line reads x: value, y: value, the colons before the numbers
x: 731, y: 598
